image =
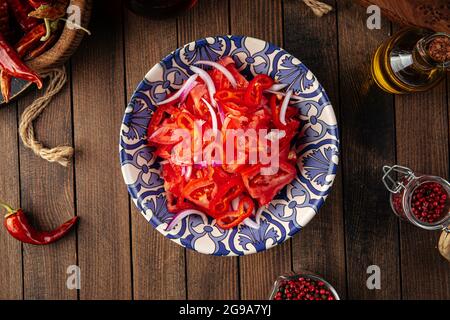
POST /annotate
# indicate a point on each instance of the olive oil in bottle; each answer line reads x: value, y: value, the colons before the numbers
x: 412, y: 60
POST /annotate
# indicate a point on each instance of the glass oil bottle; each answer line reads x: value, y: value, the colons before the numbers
x: 412, y: 60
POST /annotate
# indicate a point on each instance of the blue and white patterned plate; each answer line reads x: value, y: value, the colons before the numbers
x: 317, y: 146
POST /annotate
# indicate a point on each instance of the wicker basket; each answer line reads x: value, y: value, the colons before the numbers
x: 61, y: 51
x: 67, y: 43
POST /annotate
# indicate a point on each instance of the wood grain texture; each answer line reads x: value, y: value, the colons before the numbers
x: 422, y: 144
x: 320, y: 246
x: 261, y: 19
x: 158, y: 263
x: 48, y: 197
x: 208, y: 277
x: 102, y: 199
x: 426, y: 14
x: 10, y: 249
x: 368, y: 143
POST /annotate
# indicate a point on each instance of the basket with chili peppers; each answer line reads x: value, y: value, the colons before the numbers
x: 28, y: 30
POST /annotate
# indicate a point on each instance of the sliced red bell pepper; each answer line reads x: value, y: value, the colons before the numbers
x: 230, y: 95
x: 200, y: 191
x: 254, y: 93
x: 234, y: 218
x: 161, y: 113
x: 228, y: 191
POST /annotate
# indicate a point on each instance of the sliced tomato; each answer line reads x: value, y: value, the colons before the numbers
x: 241, y: 81
x: 291, y: 112
x: 164, y: 135
x: 185, y: 120
x: 228, y: 191
x: 234, y: 218
x: 225, y: 61
x: 253, y: 95
x: 195, y: 103
x: 233, y: 108
x: 260, y: 119
x: 264, y: 80
x: 265, y: 187
x: 176, y: 203
x: 164, y: 151
x: 220, y: 81
x: 200, y: 191
x: 162, y: 113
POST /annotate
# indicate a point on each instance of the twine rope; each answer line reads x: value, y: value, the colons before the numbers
x: 60, y: 154
x: 319, y: 8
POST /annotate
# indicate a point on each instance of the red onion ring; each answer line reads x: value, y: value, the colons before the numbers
x: 213, y: 115
x: 284, y: 106
x: 208, y: 81
x: 222, y: 69
x: 183, y: 88
x: 182, y: 214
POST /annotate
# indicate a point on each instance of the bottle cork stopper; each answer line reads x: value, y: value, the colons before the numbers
x: 439, y: 49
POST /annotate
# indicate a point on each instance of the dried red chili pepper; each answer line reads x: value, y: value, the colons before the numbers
x: 37, y: 3
x: 4, y: 19
x: 43, y: 47
x: 30, y: 40
x: 49, y: 10
x: 18, y: 226
x: 21, y: 10
x: 12, y: 66
x: 5, y: 83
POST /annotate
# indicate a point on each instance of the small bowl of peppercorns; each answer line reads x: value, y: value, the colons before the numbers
x: 303, y: 286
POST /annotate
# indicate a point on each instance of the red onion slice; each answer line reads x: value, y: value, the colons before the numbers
x: 188, y: 173
x: 255, y: 224
x: 182, y: 214
x: 250, y: 223
x: 235, y: 203
x: 277, y: 87
x: 222, y: 69
x: 208, y: 81
x: 213, y: 115
x: 275, y: 135
x: 162, y: 130
x: 187, y: 91
x: 183, y: 88
x: 284, y: 106
x: 279, y: 93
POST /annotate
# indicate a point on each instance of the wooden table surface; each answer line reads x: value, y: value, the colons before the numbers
x: 121, y: 257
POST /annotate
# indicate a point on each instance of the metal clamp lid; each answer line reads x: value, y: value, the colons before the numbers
x: 395, y: 185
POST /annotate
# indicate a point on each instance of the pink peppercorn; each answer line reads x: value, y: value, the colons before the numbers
x: 303, y: 289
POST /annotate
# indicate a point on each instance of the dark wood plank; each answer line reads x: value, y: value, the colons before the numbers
x: 102, y: 199
x: 422, y: 144
x: 320, y: 246
x: 208, y: 18
x: 367, y: 132
x: 261, y: 19
x: 47, y: 195
x: 151, y: 275
x: 10, y: 249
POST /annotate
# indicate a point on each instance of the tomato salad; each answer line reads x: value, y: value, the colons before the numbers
x: 221, y: 99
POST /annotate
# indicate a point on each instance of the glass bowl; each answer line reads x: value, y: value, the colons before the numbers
x: 306, y: 275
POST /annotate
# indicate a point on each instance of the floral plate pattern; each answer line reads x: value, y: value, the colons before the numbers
x: 317, y: 148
